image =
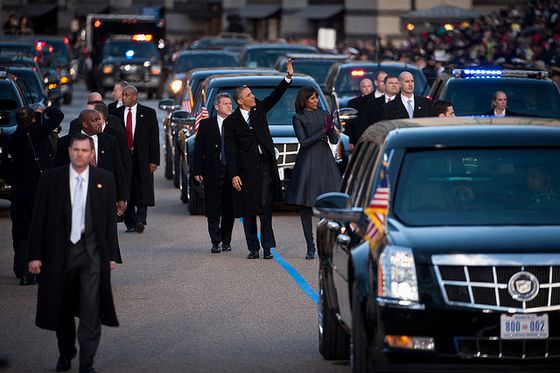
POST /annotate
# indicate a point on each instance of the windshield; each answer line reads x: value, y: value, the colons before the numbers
x: 130, y: 49
x: 348, y: 79
x: 9, y: 103
x: 316, y: 69
x: 32, y: 86
x: 518, y: 186
x: 60, y: 52
x: 281, y: 113
x: 526, y: 97
x: 268, y: 57
x: 191, y: 61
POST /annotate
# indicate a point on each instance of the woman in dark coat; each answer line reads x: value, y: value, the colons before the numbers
x: 315, y: 171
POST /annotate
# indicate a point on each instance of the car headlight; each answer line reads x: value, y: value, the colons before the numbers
x: 176, y: 85
x: 156, y: 70
x: 107, y: 69
x: 64, y: 80
x: 397, y: 274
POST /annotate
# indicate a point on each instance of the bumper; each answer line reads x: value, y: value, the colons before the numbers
x: 462, y: 337
x: 142, y: 83
x: 5, y: 190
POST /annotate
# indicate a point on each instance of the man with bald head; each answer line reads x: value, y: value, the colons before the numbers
x: 407, y: 105
x: 95, y: 98
x: 142, y: 133
x: 106, y: 153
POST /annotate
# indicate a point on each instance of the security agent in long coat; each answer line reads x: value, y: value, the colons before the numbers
x: 141, y: 128
x: 73, y: 248
x: 407, y: 104
x: 251, y: 164
x: 210, y: 168
x: 31, y: 153
x: 315, y: 171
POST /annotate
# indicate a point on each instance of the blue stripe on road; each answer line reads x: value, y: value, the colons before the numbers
x: 300, y: 281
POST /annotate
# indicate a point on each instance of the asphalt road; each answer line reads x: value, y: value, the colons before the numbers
x: 181, y: 308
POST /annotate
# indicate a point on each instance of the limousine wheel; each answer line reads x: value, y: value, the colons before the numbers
x: 333, y: 339
x: 360, y: 360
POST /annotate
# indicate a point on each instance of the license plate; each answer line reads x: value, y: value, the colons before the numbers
x: 524, y: 326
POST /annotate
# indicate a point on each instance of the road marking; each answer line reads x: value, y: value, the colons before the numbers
x: 294, y: 274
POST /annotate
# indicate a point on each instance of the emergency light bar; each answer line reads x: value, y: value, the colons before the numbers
x: 358, y: 73
x: 142, y: 37
x: 495, y: 73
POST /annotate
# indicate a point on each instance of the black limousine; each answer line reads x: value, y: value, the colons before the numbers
x: 442, y: 250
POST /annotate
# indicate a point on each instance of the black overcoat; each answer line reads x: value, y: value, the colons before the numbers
x: 207, y: 150
x: 242, y: 153
x: 396, y: 109
x: 50, y: 237
x: 108, y: 158
x: 146, y: 148
x: 315, y: 171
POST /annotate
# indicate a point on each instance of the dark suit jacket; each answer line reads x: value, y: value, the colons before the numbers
x: 146, y: 149
x: 50, y: 237
x: 108, y: 158
x: 112, y: 121
x: 509, y: 113
x: 207, y: 151
x: 122, y: 143
x: 112, y: 107
x: 368, y: 113
x: 242, y: 153
x: 396, y: 109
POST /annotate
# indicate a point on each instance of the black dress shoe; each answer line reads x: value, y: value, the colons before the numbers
x: 87, y: 370
x: 253, y: 255
x: 215, y: 248
x: 130, y: 229
x: 267, y: 254
x: 28, y: 279
x: 139, y: 227
x: 310, y: 256
x: 63, y: 364
x: 226, y: 247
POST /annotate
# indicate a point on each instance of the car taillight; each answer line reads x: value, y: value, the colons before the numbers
x: 357, y: 73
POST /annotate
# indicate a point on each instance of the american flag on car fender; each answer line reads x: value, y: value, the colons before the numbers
x: 200, y: 116
x: 378, y: 208
x: 188, y: 101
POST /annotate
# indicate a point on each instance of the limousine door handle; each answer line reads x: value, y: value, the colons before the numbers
x: 333, y: 226
x: 343, y: 240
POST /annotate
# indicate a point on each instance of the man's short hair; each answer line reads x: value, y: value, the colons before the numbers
x: 132, y: 88
x: 221, y: 95
x: 78, y: 136
x: 440, y: 107
x: 84, y: 114
x: 389, y: 76
x: 102, y: 108
x: 238, y: 91
x: 122, y: 83
x: 379, y: 72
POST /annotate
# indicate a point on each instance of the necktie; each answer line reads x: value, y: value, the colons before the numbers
x: 93, y: 160
x: 410, y: 109
x: 78, y: 216
x: 223, y: 150
x: 250, y: 119
x: 128, y: 128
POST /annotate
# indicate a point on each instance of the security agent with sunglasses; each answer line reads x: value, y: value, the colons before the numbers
x: 251, y: 164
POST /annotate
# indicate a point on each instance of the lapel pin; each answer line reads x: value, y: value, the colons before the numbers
x: 99, y: 186
x: 141, y: 115
x: 103, y: 152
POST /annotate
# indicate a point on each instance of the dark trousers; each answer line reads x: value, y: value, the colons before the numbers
x: 21, y: 210
x: 136, y: 212
x: 81, y: 283
x: 225, y: 214
x: 306, y: 215
x: 250, y: 222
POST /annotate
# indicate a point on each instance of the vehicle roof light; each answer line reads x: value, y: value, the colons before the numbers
x: 97, y: 23
x: 142, y: 37
x: 129, y: 53
x: 471, y: 73
x: 39, y: 46
x: 357, y: 73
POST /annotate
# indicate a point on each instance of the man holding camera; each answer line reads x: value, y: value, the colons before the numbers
x: 31, y: 151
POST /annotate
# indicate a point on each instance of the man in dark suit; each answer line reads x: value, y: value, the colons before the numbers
x: 31, y: 154
x: 407, y: 104
x: 251, y: 163
x: 499, y: 106
x: 106, y: 154
x: 365, y: 98
x: 142, y: 134
x: 210, y: 168
x: 75, y: 253
x: 112, y: 121
x: 117, y: 96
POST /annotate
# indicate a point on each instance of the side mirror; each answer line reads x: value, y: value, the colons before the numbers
x: 338, y: 207
x: 167, y: 104
x: 345, y: 115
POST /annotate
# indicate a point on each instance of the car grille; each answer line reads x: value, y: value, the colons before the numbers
x: 132, y: 73
x: 286, y: 154
x: 486, y: 286
x: 496, y: 348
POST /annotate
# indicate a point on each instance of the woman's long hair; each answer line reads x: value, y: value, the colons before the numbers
x: 303, y: 94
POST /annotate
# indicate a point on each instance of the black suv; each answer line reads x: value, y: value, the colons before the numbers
x: 443, y: 247
x: 470, y: 90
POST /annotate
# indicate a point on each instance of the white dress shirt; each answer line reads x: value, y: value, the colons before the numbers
x: 133, y: 109
x: 220, y: 123
x: 378, y: 94
x: 498, y: 115
x: 95, y: 147
x: 119, y: 104
x: 72, y: 181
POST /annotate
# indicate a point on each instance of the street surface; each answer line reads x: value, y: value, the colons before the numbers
x: 181, y: 308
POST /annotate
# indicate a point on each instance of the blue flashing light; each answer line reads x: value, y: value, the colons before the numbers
x: 129, y: 53
x: 482, y: 73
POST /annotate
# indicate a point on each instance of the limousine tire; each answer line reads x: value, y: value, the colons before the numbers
x: 334, y: 342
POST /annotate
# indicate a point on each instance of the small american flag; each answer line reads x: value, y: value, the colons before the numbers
x: 200, y: 116
x: 188, y: 101
x: 378, y: 208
